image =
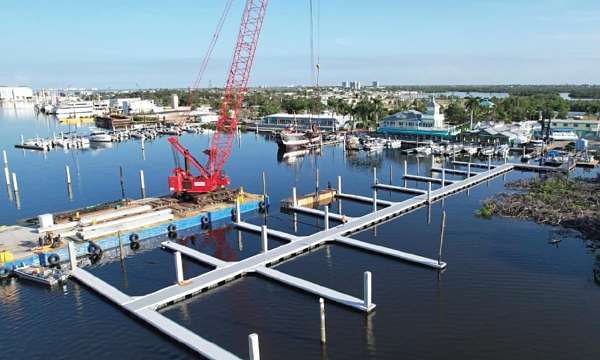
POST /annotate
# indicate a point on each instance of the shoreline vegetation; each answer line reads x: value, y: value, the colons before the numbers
x: 554, y: 200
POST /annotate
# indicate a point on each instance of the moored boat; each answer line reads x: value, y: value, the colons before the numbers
x: 41, y: 274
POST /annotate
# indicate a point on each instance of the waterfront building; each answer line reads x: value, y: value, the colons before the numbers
x: 412, y: 123
x: 583, y: 128
x: 326, y: 121
x: 130, y: 106
x: 15, y: 93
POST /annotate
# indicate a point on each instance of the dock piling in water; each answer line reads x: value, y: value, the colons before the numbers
x: 429, y: 192
x: 5, y: 158
x: 178, y: 267
x: 322, y: 318
x: 253, y: 347
x: 122, y: 182
x: 142, y: 184
x: 68, y: 174
x: 443, y: 177
x: 15, y: 183
x: 264, y: 241
x: 7, y: 176
x: 367, y: 289
x: 374, y: 175
x: 238, y: 215
x: 375, y: 200
x: 72, y: 255
x: 326, y: 217
x: 442, y: 233
x: 294, y: 197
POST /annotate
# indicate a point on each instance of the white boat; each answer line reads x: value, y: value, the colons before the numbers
x: 290, y: 138
x: 374, y: 145
x: 537, y: 143
x: 73, y: 110
x: 352, y: 143
x: 563, y: 135
x: 393, y: 144
x: 470, y: 149
x: 41, y: 274
x: 489, y: 151
x: 423, y: 150
x: 100, y: 136
x: 502, y: 150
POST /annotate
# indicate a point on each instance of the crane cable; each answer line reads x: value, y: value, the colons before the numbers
x: 211, y: 46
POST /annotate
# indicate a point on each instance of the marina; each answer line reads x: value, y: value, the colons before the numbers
x: 343, y: 231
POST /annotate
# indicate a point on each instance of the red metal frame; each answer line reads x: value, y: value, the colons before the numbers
x: 211, y: 176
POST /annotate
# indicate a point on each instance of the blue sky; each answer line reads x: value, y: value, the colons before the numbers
x: 125, y: 44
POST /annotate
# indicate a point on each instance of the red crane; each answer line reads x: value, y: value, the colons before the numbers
x: 211, y: 176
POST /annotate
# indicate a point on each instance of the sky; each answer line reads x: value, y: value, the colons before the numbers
x: 130, y: 44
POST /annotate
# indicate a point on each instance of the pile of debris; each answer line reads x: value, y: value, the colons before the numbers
x: 554, y: 200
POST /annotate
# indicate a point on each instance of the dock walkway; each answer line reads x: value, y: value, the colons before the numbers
x: 144, y: 307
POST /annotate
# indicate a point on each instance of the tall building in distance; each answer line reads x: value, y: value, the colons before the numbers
x: 345, y: 84
x: 375, y: 84
x: 355, y: 85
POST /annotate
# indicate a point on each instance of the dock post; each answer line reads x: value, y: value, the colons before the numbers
x: 122, y: 182
x: 367, y: 289
x: 468, y: 170
x: 317, y: 184
x: 374, y: 200
x: 405, y: 167
x: 68, y: 173
x: 489, y: 162
x: 390, y: 174
x: 339, y: 185
x: 326, y: 220
x: 322, y: 317
x: 142, y: 184
x: 7, y: 176
x: 253, y: 348
x: 238, y: 214
x: 264, y: 181
x: 72, y: 255
x: 15, y: 183
x: 178, y: 267
x: 22, y: 140
x: 429, y: 192
x: 443, y: 177
x: 143, y: 146
x: 294, y: 197
x: 374, y: 176
x: 263, y: 238
x: 442, y: 232
x: 5, y: 158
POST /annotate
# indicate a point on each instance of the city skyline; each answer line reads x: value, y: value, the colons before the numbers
x: 147, y: 45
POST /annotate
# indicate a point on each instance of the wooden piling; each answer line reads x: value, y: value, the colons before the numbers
x: 322, y: 317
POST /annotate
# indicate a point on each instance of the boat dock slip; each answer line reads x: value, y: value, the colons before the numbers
x: 453, y: 171
x: 476, y: 165
x: 400, y: 189
x: 427, y: 179
x: 391, y: 252
x: 364, y: 199
x: 319, y: 213
x: 144, y: 307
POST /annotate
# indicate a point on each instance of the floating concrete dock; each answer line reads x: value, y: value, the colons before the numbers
x: 144, y: 307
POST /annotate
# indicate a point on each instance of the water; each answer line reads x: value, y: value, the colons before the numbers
x: 506, y: 292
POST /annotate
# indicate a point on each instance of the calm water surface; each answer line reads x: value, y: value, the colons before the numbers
x: 506, y: 292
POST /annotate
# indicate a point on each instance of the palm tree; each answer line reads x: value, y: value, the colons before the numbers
x: 472, y: 104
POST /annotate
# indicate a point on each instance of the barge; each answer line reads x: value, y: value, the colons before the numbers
x: 41, y: 241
